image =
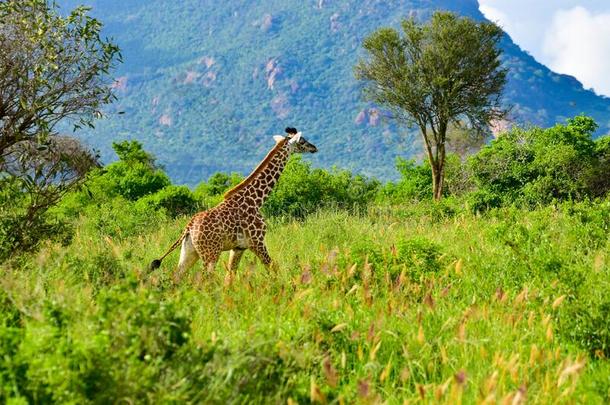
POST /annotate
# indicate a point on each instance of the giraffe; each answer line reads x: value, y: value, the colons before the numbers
x: 236, y: 224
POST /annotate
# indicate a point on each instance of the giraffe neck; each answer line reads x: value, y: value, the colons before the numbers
x: 258, y: 185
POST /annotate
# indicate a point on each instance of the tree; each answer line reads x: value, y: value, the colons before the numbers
x: 135, y: 175
x: 46, y: 174
x: 52, y: 68
x: 33, y: 179
x: 443, y: 72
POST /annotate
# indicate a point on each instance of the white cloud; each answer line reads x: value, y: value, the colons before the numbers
x: 578, y: 43
x: 524, y: 20
x: 496, y: 15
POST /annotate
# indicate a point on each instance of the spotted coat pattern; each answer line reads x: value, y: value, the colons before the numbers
x: 236, y: 224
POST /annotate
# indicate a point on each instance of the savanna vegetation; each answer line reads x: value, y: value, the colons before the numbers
x: 494, y: 293
x: 497, y: 293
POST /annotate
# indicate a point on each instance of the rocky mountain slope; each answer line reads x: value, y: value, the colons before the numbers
x: 205, y: 83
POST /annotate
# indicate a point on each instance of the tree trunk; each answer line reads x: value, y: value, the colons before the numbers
x: 436, y: 159
x: 438, y: 177
x: 439, y: 171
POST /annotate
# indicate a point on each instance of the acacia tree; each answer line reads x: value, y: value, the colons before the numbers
x: 446, y: 71
x: 53, y: 69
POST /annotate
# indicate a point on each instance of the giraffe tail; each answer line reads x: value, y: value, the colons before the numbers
x: 155, y: 264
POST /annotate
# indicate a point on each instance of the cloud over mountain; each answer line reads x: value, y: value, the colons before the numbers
x: 578, y: 43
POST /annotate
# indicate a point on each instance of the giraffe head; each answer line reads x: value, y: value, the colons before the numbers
x: 296, y: 142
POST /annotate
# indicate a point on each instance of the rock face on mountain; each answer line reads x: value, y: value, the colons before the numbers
x: 206, y: 83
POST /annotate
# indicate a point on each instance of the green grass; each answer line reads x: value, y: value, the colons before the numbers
x: 500, y: 308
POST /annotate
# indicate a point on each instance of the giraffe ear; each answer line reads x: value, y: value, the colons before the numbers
x: 278, y: 138
x: 296, y: 138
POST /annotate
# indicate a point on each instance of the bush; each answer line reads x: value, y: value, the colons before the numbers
x: 302, y: 190
x: 132, y: 177
x: 538, y: 166
x: 210, y: 193
x: 586, y: 322
x: 121, y: 218
x: 137, y: 331
x: 417, y: 256
x: 135, y: 174
x: 592, y: 330
x: 175, y: 200
x: 599, y: 177
x: 134, y: 344
x: 420, y: 255
x: 22, y: 231
x: 133, y: 181
x: 416, y: 181
x: 483, y: 200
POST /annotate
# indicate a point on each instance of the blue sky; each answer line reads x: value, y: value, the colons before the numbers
x: 569, y: 36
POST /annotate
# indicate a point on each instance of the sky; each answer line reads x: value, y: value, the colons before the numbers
x: 568, y: 36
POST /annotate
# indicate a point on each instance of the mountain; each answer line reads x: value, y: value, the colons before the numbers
x: 205, y: 84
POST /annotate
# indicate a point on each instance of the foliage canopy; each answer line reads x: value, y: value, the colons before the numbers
x: 51, y: 68
x: 446, y: 71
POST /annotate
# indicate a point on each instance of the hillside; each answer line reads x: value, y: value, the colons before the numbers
x: 205, y: 83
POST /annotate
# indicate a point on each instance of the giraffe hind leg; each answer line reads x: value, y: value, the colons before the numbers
x: 209, y: 258
x: 188, y: 257
x: 234, y: 258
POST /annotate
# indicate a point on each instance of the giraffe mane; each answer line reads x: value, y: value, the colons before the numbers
x: 261, y: 166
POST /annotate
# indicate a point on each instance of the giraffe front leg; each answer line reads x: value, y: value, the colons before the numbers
x: 260, y: 250
x: 257, y: 230
x: 234, y: 258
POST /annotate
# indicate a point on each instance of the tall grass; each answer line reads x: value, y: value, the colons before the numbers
x: 418, y: 304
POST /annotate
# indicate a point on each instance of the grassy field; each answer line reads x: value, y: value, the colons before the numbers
x: 415, y: 304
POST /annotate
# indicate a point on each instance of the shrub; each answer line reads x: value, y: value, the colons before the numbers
x: 121, y: 218
x: 134, y: 180
x: 135, y: 174
x: 586, y: 322
x: 176, y: 200
x: 302, y: 190
x: 210, y: 193
x: 420, y: 255
x: 417, y: 256
x: 416, y: 181
x: 143, y: 334
x: 22, y: 231
x: 593, y: 330
x: 132, y: 177
x: 538, y: 166
x: 483, y: 200
x: 599, y: 177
